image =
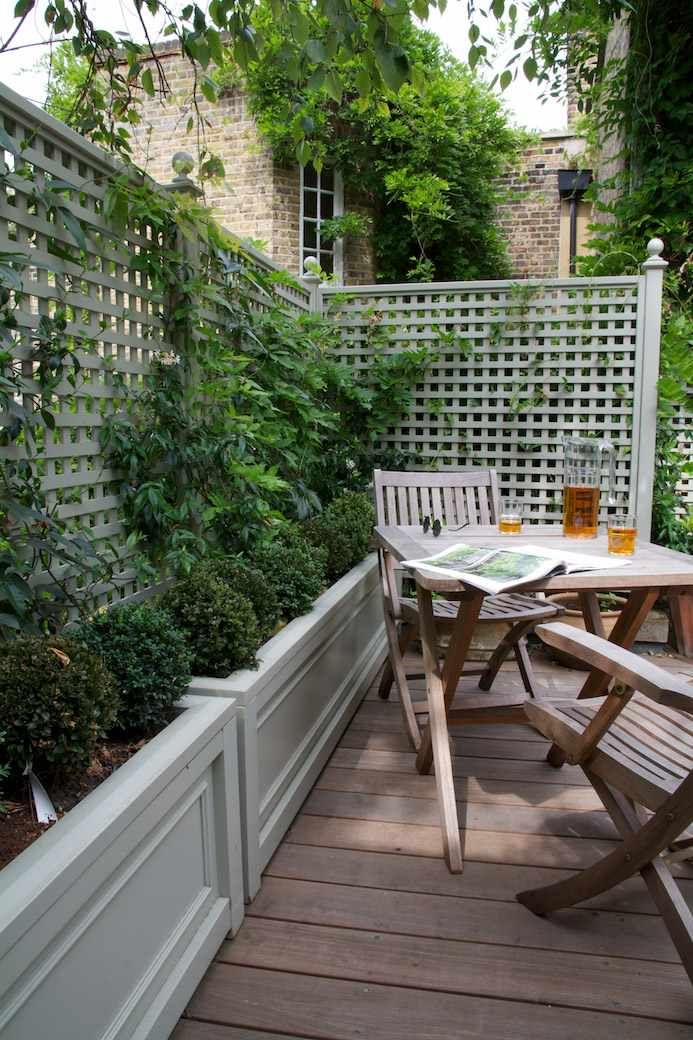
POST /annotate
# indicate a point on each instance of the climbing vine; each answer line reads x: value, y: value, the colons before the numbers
x: 425, y: 159
x: 46, y: 567
x: 253, y: 421
x: 631, y: 67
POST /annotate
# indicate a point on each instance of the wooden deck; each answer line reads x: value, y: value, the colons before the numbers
x: 360, y: 933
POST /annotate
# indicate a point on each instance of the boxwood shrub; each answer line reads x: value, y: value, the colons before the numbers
x: 251, y: 582
x: 218, y: 623
x: 294, y: 569
x: 344, y: 529
x: 57, y: 700
x: 148, y: 658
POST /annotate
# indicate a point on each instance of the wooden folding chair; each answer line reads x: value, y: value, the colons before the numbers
x: 636, y: 748
x: 457, y: 499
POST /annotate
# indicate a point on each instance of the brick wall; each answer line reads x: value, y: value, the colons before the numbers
x: 530, y: 217
x: 359, y: 262
x: 243, y: 202
x: 258, y: 198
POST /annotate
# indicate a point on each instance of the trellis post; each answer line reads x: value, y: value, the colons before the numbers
x: 182, y: 184
x: 311, y: 280
x: 647, y: 374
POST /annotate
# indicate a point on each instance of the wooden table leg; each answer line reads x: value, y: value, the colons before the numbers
x: 437, y: 734
x: 639, y: 605
x: 681, y: 607
x: 589, y: 604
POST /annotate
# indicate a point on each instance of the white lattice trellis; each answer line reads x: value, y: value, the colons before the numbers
x: 514, y: 368
x: 113, y: 316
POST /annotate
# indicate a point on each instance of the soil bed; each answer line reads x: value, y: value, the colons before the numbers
x: 18, y: 824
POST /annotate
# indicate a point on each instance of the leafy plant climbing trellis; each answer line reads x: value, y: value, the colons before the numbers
x: 163, y: 389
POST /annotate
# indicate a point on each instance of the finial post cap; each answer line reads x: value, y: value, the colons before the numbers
x: 654, y: 260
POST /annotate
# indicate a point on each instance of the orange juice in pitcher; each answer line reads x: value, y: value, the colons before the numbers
x: 582, y: 471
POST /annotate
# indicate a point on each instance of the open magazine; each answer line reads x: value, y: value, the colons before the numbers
x: 494, y: 570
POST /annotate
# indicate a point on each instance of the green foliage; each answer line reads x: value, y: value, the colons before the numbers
x: 254, y: 421
x: 349, y: 225
x: 250, y: 582
x: 121, y: 70
x: 56, y: 701
x: 294, y: 569
x: 33, y: 538
x: 345, y: 530
x: 637, y: 99
x: 148, y: 658
x: 4, y: 772
x: 426, y: 157
x: 68, y: 80
x: 218, y: 623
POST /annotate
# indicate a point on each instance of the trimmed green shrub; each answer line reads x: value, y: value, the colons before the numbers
x: 148, y: 658
x: 57, y: 699
x: 250, y: 582
x: 295, y: 570
x: 344, y: 529
x: 218, y: 623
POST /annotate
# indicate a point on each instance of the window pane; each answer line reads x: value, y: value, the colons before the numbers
x: 327, y: 179
x: 326, y: 206
x: 310, y: 177
x: 310, y: 237
x: 310, y: 203
x: 326, y: 262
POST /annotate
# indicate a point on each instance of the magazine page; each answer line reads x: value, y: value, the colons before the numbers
x: 494, y: 570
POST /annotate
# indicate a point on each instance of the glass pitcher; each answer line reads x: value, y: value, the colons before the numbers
x: 582, y: 462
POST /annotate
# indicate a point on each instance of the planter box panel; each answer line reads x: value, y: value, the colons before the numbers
x: 323, y: 673
x: 290, y: 759
x: 295, y: 705
x: 147, y: 908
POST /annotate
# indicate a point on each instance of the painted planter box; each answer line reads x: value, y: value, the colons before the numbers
x: 109, y: 920
x: 294, y: 707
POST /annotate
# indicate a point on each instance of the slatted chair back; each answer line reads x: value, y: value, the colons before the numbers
x: 453, y: 497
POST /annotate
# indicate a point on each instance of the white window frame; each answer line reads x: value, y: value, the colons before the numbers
x: 338, y: 211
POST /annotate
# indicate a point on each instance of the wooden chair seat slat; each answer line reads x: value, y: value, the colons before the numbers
x: 659, y: 763
x: 639, y: 731
x: 662, y: 746
x: 520, y: 609
x: 672, y: 721
x: 637, y: 728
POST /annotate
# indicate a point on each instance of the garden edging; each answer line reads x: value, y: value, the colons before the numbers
x: 138, y: 884
x: 294, y: 707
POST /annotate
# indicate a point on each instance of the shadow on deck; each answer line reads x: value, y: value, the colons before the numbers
x: 359, y: 931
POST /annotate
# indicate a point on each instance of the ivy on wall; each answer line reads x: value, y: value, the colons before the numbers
x: 120, y: 68
x: 426, y: 158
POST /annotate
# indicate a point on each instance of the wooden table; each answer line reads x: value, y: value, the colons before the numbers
x: 651, y: 571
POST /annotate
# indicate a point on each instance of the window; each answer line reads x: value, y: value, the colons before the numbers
x: 322, y: 197
x: 575, y: 218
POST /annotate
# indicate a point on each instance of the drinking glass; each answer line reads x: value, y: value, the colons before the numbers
x: 622, y: 532
x: 510, y: 518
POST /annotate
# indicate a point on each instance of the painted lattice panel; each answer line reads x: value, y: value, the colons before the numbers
x: 514, y: 368
x: 57, y: 187
x: 50, y: 210
x: 682, y: 423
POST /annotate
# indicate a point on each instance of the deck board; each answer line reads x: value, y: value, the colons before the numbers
x: 359, y: 931
x: 514, y: 972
